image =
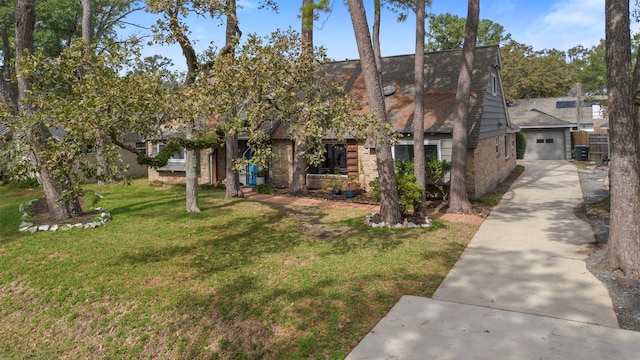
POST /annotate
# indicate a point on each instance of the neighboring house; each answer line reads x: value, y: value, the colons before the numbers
x: 491, y: 137
x: 127, y: 159
x: 547, y: 124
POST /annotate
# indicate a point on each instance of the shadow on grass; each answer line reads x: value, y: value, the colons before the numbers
x: 319, y: 318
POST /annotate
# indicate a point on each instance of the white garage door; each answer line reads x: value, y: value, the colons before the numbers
x: 545, y: 145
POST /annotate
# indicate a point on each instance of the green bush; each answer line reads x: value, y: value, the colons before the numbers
x: 435, y: 172
x: 409, y: 192
x: 264, y: 189
x: 521, y: 145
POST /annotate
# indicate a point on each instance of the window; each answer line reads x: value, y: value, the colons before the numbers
x: 497, y: 145
x: 506, y: 147
x: 177, y: 161
x: 539, y: 141
x: 404, y: 150
x: 335, y: 160
x: 494, y: 84
x: 548, y: 141
x: 141, y: 146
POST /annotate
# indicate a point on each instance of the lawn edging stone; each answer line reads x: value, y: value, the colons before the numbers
x: 29, y: 226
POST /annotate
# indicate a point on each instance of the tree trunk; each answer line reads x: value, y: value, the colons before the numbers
x: 307, y: 24
x: 191, y: 176
x: 103, y: 169
x: 6, y: 48
x: 389, y: 208
x: 231, y: 141
x: 233, y: 178
x: 59, y: 208
x: 377, y: 51
x: 299, y: 178
x: 87, y: 20
x: 459, y: 200
x: 25, y: 23
x: 623, y: 247
x: 418, y: 112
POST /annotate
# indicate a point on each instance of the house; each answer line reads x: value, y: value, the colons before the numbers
x: 491, y: 137
x: 547, y: 124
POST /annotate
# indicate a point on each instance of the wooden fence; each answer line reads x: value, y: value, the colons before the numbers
x: 598, y: 146
x: 598, y: 143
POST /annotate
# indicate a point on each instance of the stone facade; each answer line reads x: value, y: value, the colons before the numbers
x: 282, y: 166
x: 486, y: 167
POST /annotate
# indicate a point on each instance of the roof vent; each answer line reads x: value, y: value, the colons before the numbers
x: 389, y: 90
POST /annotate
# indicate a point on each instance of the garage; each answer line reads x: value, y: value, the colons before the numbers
x: 549, y: 144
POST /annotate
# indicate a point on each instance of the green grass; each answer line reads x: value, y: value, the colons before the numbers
x: 239, y: 280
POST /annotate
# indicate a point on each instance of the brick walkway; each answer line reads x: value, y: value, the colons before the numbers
x: 303, y: 201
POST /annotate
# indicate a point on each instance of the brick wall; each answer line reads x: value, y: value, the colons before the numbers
x: 368, y: 168
x: 486, y: 168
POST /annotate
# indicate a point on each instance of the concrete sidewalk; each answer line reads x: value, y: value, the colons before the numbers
x: 520, y: 290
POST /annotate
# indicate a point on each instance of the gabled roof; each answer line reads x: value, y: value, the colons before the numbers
x: 536, y: 119
x: 441, y: 79
x: 562, y: 108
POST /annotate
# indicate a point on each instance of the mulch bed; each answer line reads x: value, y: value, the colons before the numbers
x: 39, y: 213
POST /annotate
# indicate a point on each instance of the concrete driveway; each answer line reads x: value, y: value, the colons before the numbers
x: 520, y: 290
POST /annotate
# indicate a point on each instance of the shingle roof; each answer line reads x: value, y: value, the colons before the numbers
x: 535, y: 118
x: 551, y: 106
x: 441, y: 78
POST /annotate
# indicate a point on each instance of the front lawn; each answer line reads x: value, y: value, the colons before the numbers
x: 240, y: 280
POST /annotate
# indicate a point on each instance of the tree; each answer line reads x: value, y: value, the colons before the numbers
x: 173, y: 29
x: 389, y: 208
x: 402, y: 6
x: 623, y: 246
x: 79, y: 92
x: 447, y: 32
x: 459, y: 198
x: 300, y: 163
x: 531, y: 74
x: 36, y: 133
x: 590, y: 68
x: 418, y: 112
x: 31, y: 126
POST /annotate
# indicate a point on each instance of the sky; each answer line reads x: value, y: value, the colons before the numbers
x: 542, y: 24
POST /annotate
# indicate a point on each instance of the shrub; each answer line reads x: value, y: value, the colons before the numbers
x: 436, y: 170
x: 264, y: 189
x: 409, y: 192
x: 521, y: 145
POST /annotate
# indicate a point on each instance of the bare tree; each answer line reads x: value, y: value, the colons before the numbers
x: 459, y: 202
x: 623, y: 247
x: 389, y: 209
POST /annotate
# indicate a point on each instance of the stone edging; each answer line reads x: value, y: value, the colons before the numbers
x: 406, y: 224
x: 28, y: 226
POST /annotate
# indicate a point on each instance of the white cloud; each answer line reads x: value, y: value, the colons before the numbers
x: 568, y: 23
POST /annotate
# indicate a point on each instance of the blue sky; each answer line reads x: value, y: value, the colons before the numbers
x: 543, y: 24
